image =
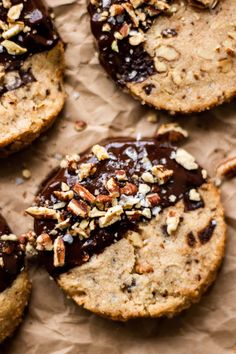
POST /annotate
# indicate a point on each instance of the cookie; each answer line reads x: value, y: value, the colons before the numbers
x: 14, y: 281
x: 173, y: 56
x: 130, y: 228
x: 31, y: 63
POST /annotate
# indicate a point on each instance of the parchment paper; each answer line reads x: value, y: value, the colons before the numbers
x: 54, y: 324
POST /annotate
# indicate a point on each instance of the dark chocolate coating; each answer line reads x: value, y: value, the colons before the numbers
x: 80, y: 251
x: 131, y: 63
x: 41, y: 37
x: 12, y: 256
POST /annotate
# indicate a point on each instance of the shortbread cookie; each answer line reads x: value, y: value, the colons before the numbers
x: 130, y: 229
x: 171, y: 55
x: 14, y: 281
x: 31, y: 63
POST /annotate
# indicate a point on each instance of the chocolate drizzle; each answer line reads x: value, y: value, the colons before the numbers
x: 12, y: 256
x: 126, y: 63
x: 134, y: 157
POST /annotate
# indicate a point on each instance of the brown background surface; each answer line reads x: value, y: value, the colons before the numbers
x: 53, y: 324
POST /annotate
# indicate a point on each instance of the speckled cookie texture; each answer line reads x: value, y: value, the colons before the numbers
x: 15, y: 285
x: 150, y: 274
x: 13, y: 301
x: 177, y: 57
x: 31, y: 109
x: 131, y: 229
x: 31, y: 71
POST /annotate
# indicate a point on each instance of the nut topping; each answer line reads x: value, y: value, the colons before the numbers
x: 59, y: 252
x: 84, y: 193
x: 14, y: 12
x: 172, y: 221
x: 135, y: 184
x: 65, y: 196
x: 129, y: 189
x: 153, y: 199
x: 42, y: 213
x: 44, y: 242
x: 185, y: 159
x: 121, y: 175
x: 113, y: 187
x: 100, y: 152
x: 194, y: 195
x: 78, y: 208
x: 13, y: 48
x: 147, y: 177
x: 112, y: 215
x: 162, y: 173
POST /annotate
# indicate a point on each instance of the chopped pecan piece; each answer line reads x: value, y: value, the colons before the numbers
x: 129, y: 8
x: 112, y: 187
x: 100, y: 152
x: 86, y: 170
x: 78, y: 208
x: 65, y: 196
x: 112, y: 215
x: 172, y: 221
x: 162, y: 173
x: 84, y: 193
x: 103, y: 198
x: 116, y: 10
x: 14, y: 12
x: 194, y: 195
x: 185, y: 159
x: 59, y: 252
x: 121, y: 175
x: 147, y: 177
x: 96, y: 213
x: 129, y: 189
x: 153, y: 199
x: 124, y: 31
x: 44, y: 242
x: 42, y: 213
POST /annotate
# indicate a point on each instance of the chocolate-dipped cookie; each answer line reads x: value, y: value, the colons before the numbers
x: 130, y: 228
x: 14, y: 281
x: 173, y: 55
x: 31, y: 63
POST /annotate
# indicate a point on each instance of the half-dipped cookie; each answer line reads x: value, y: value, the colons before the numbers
x: 130, y: 228
x: 14, y: 281
x: 31, y: 69
x: 174, y: 55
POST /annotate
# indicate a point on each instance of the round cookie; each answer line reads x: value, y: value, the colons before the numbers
x: 130, y: 229
x: 14, y: 281
x: 177, y: 57
x: 31, y: 63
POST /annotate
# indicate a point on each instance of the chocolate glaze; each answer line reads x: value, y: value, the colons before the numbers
x: 131, y: 63
x: 12, y: 256
x: 40, y: 38
x: 127, y: 155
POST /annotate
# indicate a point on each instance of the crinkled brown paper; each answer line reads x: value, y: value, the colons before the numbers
x: 54, y: 324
